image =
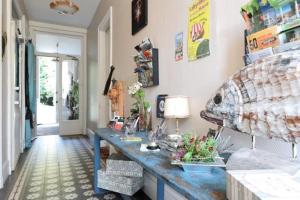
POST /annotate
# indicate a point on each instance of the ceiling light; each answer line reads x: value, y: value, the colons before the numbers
x: 66, y: 7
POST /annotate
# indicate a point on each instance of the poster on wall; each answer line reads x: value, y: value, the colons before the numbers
x: 179, y: 46
x: 199, y: 29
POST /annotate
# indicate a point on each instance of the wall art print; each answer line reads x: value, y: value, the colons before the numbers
x: 179, y: 46
x: 139, y: 12
x: 160, y: 105
x: 199, y: 29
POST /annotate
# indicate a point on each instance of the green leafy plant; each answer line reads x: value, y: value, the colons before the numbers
x: 46, y: 92
x: 136, y: 91
x: 74, y: 100
x: 196, y: 149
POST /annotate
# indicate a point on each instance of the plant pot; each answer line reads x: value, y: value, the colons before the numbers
x: 142, y: 118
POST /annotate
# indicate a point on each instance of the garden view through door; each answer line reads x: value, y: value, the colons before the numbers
x: 47, y: 90
x: 59, y: 95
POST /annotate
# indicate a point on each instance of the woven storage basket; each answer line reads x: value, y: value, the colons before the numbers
x: 120, y: 184
x: 119, y: 165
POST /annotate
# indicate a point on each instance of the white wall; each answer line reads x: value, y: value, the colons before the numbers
x: 1, y: 143
x: 11, y: 142
x: 198, y: 79
x: 6, y: 17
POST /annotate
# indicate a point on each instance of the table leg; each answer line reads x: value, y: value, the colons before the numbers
x: 160, y: 193
x: 97, y: 163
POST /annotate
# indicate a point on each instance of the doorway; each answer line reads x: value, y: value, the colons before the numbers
x: 59, y: 95
x: 47, y: 118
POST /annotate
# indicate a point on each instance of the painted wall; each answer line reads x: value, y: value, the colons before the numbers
x: 8, y: 152
x: 6, y: 8
x: 1, y: 61
x: 198, y: 79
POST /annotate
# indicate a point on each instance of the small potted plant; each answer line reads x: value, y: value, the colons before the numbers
x: 141, y: 106
x: 197, y: 154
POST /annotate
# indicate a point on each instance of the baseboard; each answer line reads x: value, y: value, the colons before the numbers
x: 71, y: 133
x: 5, y: 171
x: 90, y: 134
x: 1, y: 182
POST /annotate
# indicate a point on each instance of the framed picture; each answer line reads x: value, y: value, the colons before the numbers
x: 139, y: 15
x: 179, y: 46
x: 160, y: 106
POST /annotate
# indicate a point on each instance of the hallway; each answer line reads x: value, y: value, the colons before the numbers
x: 57, y: 168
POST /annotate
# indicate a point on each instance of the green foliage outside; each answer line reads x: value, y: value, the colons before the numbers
x: 74, y: 100
x: 46, y: 89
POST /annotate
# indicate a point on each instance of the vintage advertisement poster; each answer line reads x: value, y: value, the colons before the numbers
x: 199, y: 29
x: 263, y: 39
x: 179, y: 46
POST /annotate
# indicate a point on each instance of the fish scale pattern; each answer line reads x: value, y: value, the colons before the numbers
x: 262, y: 99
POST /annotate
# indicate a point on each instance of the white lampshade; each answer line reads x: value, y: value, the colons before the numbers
x: 177, y: 107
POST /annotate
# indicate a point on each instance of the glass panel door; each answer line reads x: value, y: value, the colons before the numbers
x: 70, y: 95
x: 47, y: 91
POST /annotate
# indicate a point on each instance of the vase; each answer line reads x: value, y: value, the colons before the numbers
x: 142, y: 118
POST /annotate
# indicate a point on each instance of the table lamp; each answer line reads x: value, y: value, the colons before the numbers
x: 177, y: 107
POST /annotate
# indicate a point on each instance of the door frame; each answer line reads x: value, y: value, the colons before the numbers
x: 6, y: 93
x: 62, y: 57
x: 38, y: 79
x: 72, y: 32
x: 1, y: 148
x: 105, y: 24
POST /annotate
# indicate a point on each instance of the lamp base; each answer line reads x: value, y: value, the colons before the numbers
x: 177, y: 126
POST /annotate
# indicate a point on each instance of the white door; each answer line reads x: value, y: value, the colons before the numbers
x: 70, y: 96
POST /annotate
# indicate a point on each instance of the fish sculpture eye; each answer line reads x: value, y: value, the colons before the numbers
x: 218, y: 99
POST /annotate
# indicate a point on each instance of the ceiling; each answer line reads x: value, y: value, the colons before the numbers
x: 39, y: 10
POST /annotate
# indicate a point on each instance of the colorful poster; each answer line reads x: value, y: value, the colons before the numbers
x: 179, y: 46
x: 263, y: 39
x: 199, y: 29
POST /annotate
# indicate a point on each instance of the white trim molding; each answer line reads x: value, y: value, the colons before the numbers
x: 56, y: 28
x: 103, y: 64
x: 1, y: 164
x: 5, y: 171
x: 73, y: 32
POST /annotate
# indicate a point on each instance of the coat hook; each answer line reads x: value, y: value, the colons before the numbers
x: 253, y: 140
x: 294, y: 151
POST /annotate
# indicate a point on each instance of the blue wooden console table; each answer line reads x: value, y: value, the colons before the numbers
x: 193, y: 186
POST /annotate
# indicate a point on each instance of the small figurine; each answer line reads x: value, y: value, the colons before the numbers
x: 117, y: 98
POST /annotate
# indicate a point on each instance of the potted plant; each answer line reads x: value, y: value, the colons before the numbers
x: 197, y: 154
x: 141, y: 107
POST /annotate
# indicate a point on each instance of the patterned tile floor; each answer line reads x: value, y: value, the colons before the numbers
x: 58, y: 168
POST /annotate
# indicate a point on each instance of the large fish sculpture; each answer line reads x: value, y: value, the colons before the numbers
x: 262, y: 99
